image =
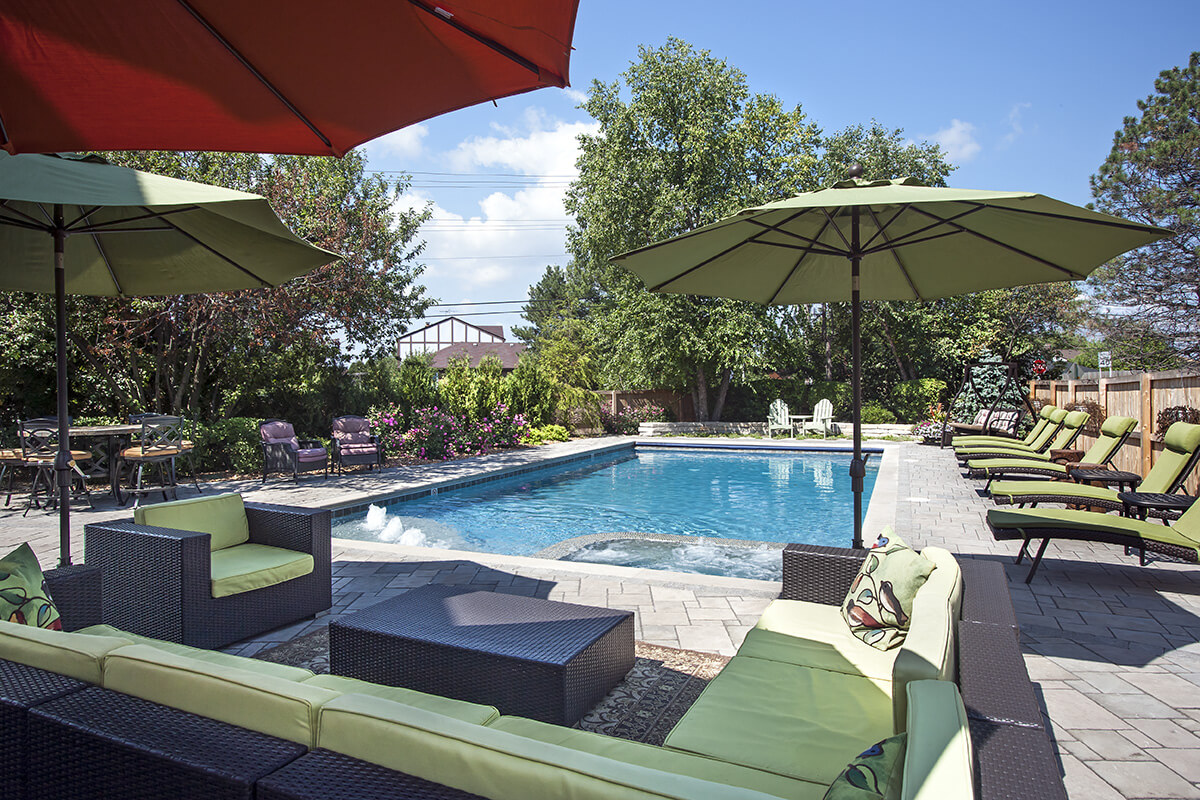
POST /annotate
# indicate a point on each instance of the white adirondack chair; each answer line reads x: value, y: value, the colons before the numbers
x: 822, y: 419
x: 778, y: 419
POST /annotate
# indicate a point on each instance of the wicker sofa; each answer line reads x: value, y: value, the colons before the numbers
x: 202, y: 724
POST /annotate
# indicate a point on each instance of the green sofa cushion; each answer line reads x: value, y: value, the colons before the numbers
x: 222, y: 517
x: 23, y: 595
x: 937, y: 764
x: 875, y: 774
x: 274, y: 706
x: 928, y: 651
x: 259, y: 666
x: 495, y: 763
x: 459, y: 709
x: 245, y: 567
x: 878, y: 605
x: 795, y: 721
x: 75, y: 654
x: 646, y: 755
x: 814, y: 635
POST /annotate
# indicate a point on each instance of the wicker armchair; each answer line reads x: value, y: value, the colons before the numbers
x: 353, y: 444
x: 283, y: 452
x: 158, y: 581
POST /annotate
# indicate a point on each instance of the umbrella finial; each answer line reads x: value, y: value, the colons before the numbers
x: 855, y: 170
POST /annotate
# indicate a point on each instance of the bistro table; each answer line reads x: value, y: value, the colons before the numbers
x: 111, y: 440
x: 1106, y: 477
x: 1140, y: 504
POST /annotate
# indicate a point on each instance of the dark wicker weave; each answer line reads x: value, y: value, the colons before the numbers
x: 77, y: 594
x: 1014, y: 763
x: 21, y: 688
x: 992, y: 676
x: 105, y: 745
x: 819, y: 574
x: 534, y: 658
x: 987, y: 600
x: 157, y: 580
x: 325, y: 775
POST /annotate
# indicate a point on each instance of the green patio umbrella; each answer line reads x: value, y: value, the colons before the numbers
x: 133, y: 234
x: 884, y: 240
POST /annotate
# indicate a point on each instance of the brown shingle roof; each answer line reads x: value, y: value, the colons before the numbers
x: 507, y: 352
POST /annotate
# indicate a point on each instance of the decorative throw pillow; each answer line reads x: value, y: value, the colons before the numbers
x: 877, y: 772
x: 878, y: 606
x: 23, y: 595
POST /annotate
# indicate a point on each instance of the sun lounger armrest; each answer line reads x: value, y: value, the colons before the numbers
x: 76, y: 592
x: 819, y: 574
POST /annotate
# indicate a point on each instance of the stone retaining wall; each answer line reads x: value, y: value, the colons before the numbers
x: 753, y: 429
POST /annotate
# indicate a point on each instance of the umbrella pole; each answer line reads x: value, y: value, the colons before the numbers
x: 62, y: 461
x: 858, y: 467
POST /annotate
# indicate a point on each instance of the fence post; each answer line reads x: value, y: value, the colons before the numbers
x: 1147, y: 386
x: 1072, y: 390
x: 1054, y: 392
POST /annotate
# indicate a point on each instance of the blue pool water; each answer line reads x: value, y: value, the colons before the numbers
x: 755, y: 495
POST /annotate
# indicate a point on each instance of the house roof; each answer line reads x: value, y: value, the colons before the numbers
x: 507, y: 352
x: 493, y: 330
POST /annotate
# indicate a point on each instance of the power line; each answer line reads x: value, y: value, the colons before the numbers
x: 488, y: 258
x: 493, y: 302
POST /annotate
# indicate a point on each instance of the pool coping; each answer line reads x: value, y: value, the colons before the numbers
x: 881, y: 512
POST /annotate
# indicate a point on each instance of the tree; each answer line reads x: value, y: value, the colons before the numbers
x: 1152, y: 175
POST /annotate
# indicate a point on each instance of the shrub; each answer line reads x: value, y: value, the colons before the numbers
x: 546, y: 433
x: 626, y: 420
x: 1174, y: 414
x: 910, y: 399
x: 387, y: 425
x: 1096, y: 415
x: 229, y: 445
x: 437, y: 435
x: 840, y: 394
x: 529, y: 390
x: 876, y: 414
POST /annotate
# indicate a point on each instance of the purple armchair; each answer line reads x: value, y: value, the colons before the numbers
x: 353, y: 444
x: 283, y: 452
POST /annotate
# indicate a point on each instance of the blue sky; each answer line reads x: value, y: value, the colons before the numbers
x: 1023, y: 96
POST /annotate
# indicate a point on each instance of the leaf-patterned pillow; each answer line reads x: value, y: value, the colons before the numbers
x: 878, y: 606
x: 23, y: 595
x: 877, y: 772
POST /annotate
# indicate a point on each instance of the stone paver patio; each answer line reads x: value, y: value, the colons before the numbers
x: 1113, y: 647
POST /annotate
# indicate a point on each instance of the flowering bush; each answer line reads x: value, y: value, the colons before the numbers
x: 437, y: 435
x: 387, y: 425
x: 626, y: 420
x: 546, y: 433
x: 934, y: 426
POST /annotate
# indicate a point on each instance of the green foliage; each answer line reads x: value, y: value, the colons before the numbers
x: 547, y: 433
x: 1151, y: 296
x: 530, y: 390
x: 838, y: 393
x: 911, y: 399
x: 229, y: 445
x: 471, y: 394
x: 1169, y: 416
x: 876, y: 414
x: 416, y: 382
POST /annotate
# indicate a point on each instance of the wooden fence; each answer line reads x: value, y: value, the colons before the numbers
x: 680, y: 404
x: 1138, y: 396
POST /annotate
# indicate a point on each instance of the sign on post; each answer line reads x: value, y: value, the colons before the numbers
x: 1104, y: 357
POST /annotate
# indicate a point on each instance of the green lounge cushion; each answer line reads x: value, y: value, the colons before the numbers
x: 937, y: 761
x: 814, y: 635
x: 1014, y: 491
x: 661, y: 758
x: 222, y: 517
x: 999, y: 465
x: 268, y: 668
x: 495, y: 763
x: 274, y: 706
x: 23, y: 595
x: 928, y: 651
x: 877, y: 772
x: 794, y: 721
x: 474, y: 713
x: 1030, y: 520
x: 75, y: 654
x: 879, y: 604
x: 245, y: 567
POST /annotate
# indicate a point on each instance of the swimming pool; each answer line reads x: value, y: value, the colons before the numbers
x: 759, y: 495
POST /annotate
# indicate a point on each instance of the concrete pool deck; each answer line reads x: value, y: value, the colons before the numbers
x: 1113, y: 647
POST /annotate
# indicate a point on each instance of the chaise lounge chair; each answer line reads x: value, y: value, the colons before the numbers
x: 1181, y: 540
x: 1181, y: 450
x: 1058, y: 462
x: 975, y: 441
x: 1070, y: 426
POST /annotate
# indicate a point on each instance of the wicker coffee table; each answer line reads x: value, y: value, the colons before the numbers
x: 527, y: 657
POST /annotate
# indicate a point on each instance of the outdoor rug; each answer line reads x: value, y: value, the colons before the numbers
x: 662, y: 685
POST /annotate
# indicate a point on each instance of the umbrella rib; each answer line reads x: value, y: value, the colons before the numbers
x: 796, y: 266
x: 215, y: 252
x: 261, y: 78
x: 707, y: 229
x: 82, y: 215
x: 942, y: 221
x: 104, y: 255
x: 838, y: 231
x: 897, y: 244
x: 1005, y: 245
x: 29, y: 223
x: 512, y: 55
x: 879, y: 232
x: 1128, y: 226
x: 895, y: 255
x: 104, y: 226
x: 703, y: 263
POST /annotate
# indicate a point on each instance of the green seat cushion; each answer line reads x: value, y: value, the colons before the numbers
x: 983, y: 451
x: 274, y: 706
x: 495, y: 763
x: 1009, y: 464
x: 877, y: 773
x: 245, y: 567
x: 75, y: 654
x: 937, y: 760
x: 878, y: 605
x: 1015, y: 490
x: 222, y: 517
x: 814, y: 635
x: 1030, y: 520
x: 653, y: 757
x: 268, y: 668
x: 23, y: 595
x: 929, y: 648
x: 459, y: 709
x: 798, y: 722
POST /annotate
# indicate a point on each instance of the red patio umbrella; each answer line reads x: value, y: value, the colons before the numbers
x: 271, y: 76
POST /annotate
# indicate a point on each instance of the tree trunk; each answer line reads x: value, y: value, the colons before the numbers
x: 720, y: 404
x: 828, y: 343
x: 701, y: 396
x: 905, y: 373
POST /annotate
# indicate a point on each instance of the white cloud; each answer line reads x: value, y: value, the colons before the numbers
x: 576, y: 95
x: 1015, y: 126
x: 958, y: 140
x: 406, y: 143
